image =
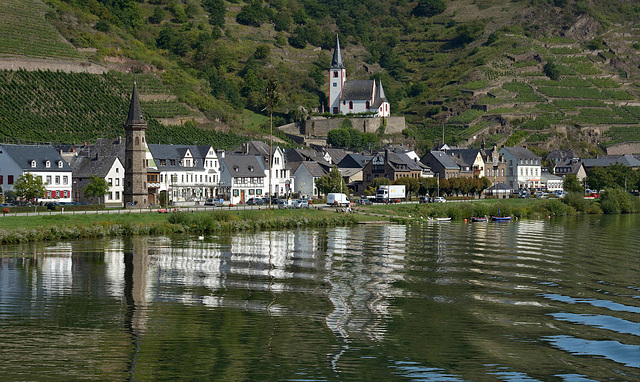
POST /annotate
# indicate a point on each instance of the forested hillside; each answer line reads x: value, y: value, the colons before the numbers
x: 548, y: 73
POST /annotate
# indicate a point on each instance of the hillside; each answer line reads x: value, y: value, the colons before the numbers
x: 549, y: 74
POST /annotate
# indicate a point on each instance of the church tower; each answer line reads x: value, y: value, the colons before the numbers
x: 337, y: 77
x: 135, y: 167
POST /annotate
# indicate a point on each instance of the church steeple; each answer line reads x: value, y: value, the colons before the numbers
x: 135, y: 111
x: 336, y: 62
x: 381, y: 91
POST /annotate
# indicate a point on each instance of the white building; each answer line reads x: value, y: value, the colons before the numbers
x: 360, y: 96
x: 186, y: 173
x: 306, y: 174
x: 551, y: 182
x: 523, y: 167
x: 243, y: 177
x: 41, y: 161
x: 282, y: 184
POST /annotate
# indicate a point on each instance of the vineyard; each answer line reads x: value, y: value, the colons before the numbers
x: 45, y: 106
x: 24, y: 31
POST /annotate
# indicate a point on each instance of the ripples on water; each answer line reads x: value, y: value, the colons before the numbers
x: 528, y: 300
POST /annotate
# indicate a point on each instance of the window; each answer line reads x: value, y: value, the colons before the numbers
x: 110, y: 196
x: 47, y: 164
x: 172, y: 162
x: 66, y: 194
x: 367, y: 105
x: 65, y: 180
x: 57, y: 179
x: 335, y: 84
x: 110, y: 181
x: 335, y: 74
x: 1, y: 179
x: 137, y: 140
x: 117, y: 181
x: 117, y: 195
x: 59, y: 164
x: 33, y: 163
x: 48, y: 179
x: 117, y: 170
x: 350, y: 105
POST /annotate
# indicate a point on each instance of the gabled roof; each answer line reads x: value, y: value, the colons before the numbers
x: 98, y: 159
x: 315, y: 169
x: 380, y: 97
x: 358, y: 90
x: 521, y: 152
x: 176, y: 153
x: 445, y: 160
x: 336, y: 155
x: 626, y: 160
x: 354, y: 160
x: 466, y: 156
x: 336, y: 62
x: 244, y: 166
x: 23, y: 155
x: 300, y: 155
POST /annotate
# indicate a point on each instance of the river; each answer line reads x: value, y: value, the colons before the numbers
x: 552, y: 300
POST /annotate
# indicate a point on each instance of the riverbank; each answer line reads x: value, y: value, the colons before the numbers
x: 22, y: 229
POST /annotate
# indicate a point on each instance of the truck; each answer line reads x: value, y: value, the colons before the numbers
x: 337, y: 199
x: 391, y: 193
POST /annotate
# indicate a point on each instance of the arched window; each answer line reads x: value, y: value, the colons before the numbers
x: 350, y: 105
x: 137, y: 140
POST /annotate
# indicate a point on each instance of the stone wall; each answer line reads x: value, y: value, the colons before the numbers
x: 320, y: 127
x: 34, y: 64
x: 624, y: 148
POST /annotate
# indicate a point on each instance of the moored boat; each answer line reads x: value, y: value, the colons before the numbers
x: 500, y: 218
x: 479, y: 219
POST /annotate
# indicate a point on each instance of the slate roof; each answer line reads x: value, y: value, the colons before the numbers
x: 445, y: 160
x: 467, y: 156
x: 626, y: 160
x: 336, y: 62
x: 521, y: 153
x: 98, y: 159
x: 380, y: 97
x: 300, y: 155
x: 24, y: 154
x: 336, y: 155
x: 354, y: 160
x: 315, y: 169
x: 357, y: 90
x: 135, y: 111
x: 244, y: 165
x: 176, y: 153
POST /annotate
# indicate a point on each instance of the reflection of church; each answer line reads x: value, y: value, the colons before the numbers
x: 348, y: 97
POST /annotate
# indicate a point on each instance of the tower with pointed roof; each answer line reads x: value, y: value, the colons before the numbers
x: 135, y: 169
x: 347, y: 97
x: 337, y: 77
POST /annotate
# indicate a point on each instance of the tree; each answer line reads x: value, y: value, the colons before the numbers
x: 412, y: 185
x: 157, y: 16
x: 332, y: 182
x: 428, y: 186
x: 551, y: 70
x: 97, y: 188
x: 29, y: 187
x: 428, y: 8
x: 570, y: 183
x: 599, y: 178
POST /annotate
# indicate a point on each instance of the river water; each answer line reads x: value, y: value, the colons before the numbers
x: 555, y: 300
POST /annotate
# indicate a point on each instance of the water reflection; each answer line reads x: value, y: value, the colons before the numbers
x: 527, y: 300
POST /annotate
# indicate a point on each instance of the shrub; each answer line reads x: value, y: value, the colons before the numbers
x: 615, y: 201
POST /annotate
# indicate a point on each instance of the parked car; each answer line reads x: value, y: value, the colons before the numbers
x: 540, y: 195
x: 561, y: 194
x: 255, y: 202
x: 214, y: 202
x: 424, y: 199
x: 439, y: 199
x: 285, y: 203
x: 524, y: 194
x: 364, y: 202
x: 302, y: 203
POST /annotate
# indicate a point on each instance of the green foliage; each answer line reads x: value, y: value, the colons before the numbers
x: 252, y: 14
x: 29, y: 187
x: 616, y: 200
x: 332, y: 182
x: 551, y: 70
x: 429, y: 8
x: 346, y: 137
x: 570, y: 183
x: 97, y: 187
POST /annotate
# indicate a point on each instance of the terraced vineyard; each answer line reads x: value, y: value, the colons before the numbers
x: 45, y: 106
x: 24, y: 31
x: 589, y: 98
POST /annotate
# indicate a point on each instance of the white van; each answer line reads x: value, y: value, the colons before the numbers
x: 337, y: 199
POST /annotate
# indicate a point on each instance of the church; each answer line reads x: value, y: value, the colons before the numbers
x: 359, y: 96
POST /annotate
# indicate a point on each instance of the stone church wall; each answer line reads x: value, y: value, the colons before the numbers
x: 321, y: 127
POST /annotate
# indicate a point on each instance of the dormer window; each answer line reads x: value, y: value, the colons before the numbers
x: 59, y: 164
x: 33, y: 163
x: 47, y: 164
x: 251, y: 168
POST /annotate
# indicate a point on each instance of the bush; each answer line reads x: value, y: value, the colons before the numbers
x: 615, y: 201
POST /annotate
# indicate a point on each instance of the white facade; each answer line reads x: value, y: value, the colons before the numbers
x: 41, y: 161
x: 337, y: 77
x: 305, y: 182
x: 282, y: 184
x: 115, y: 178
x: 243, y: 177
x: 524, y: 168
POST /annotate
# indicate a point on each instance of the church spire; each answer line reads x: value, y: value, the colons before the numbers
x: 135, y: 111
x: 381, y: 91
x: 336, y: 63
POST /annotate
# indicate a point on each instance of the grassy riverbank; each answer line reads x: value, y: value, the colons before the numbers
x: 20, y: 229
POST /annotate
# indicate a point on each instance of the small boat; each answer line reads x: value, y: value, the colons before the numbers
x: 479, y: 219
x: 442, y: 219
x: 500, y: 218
